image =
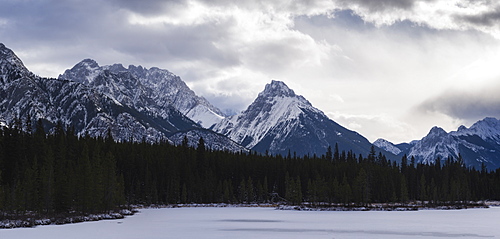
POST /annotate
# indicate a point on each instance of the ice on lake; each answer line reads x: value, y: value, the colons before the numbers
x: 239, y: 222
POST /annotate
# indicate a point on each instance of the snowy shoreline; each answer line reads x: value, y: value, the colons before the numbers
x: 30, y: 220
x: 27, y: 220
x: 412, y: 206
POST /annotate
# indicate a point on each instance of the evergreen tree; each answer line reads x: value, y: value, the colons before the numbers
x: 329, y: 153
x: 403, y: 190
x: 250, y: 191
x: 336, y: 154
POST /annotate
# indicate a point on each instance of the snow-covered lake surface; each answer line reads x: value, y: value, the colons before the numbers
x: 237, y: 222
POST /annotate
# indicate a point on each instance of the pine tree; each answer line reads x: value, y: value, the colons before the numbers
x: 372, y: 154
x: 336, y: 154
x: 329, y: 153
x: 243, y: 195
x: 362, y: 187
x: 250, y: 191
x: 423, y: 188
x: 403, y: 197
x: 345, y: 191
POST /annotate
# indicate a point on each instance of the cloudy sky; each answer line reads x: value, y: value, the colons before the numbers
x: 385, y: 68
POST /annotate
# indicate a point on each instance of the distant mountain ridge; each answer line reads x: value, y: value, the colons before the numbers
x: 477, y: 145
x: 93, y: 100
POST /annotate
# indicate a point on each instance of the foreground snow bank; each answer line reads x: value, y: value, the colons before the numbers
x: 32, y: 221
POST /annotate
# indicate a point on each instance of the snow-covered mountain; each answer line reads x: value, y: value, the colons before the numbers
x: 477, y: 145
x: 94, y: 99
x: 153, y: 90
x: 84, y: 108
x: 212, y: 140
x: 279, y: 121
x: 387, y: 146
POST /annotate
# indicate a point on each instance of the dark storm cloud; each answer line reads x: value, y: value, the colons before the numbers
x: 487, y: 19
x: 464, y: 105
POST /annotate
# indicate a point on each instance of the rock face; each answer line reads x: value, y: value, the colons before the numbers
x: 387, y: 146
x: 88, y: 110
x: 153, y: 90
x: 477, y: 145
x: 136, y: 104
x: 279, y: 121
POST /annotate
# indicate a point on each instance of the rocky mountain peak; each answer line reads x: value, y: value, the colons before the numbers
x: 278, y: 88
x: 87, y: 63
x: 487, y: 128
x: 10, y: 64
x: 279, y: 121
x: 488, y: 122
x: 437, y: 131
x: 462, y: 128
x: 387, y: 146
x: 117, y: 68
x: 83, y: 72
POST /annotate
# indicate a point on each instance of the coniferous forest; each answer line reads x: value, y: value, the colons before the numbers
x: 60, y: 172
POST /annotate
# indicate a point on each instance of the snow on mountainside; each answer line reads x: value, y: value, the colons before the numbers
x: 477, y: 145
x: 488, y: 129
x: 87, y: 110
x: 436, y: 144
x: 212, y: 141
x: 274, y: 105
x: 279, y: 121
x: 10, y: 65
x: 149, y: 90
x: 387, y: 146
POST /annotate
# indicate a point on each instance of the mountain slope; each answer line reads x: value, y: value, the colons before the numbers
x: 153, y: 90
x: 387, y: 146
x: 212, y: 140
x: 477, y: 145
x: 87, y: 110
x: 279, y: 121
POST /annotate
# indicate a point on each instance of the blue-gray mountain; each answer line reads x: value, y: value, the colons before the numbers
x: 279, y: 121
x: 93, y: 102
x: 478, y: 145
x: 153, y: 90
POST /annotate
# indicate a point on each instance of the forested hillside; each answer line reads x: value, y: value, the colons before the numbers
x: 61, y: 172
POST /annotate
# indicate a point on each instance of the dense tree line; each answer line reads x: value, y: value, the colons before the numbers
x: 58, y: 172
x: 61, y: 172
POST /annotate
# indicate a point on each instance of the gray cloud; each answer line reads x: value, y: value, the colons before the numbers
x: 465, y: 105
x: 487, y: 19
x: 177, y: 43
x: 381, y: 5
x: 149, y: 7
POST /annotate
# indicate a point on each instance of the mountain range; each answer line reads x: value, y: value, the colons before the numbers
x: 93, y: 100
x: 478, y: 145
x: 140, y: 104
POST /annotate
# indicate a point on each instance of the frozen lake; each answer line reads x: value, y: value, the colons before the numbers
x: 270, y: 223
